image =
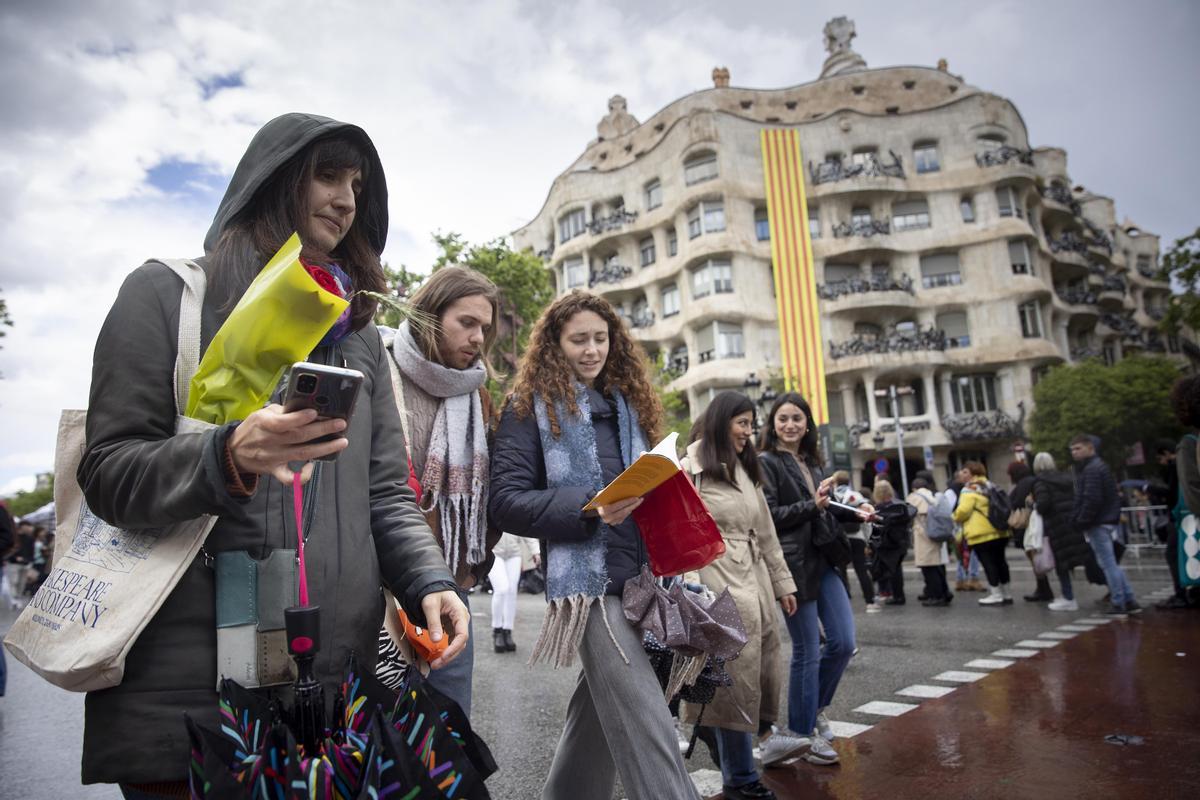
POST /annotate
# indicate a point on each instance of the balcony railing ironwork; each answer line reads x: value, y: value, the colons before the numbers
x: 1061, y: 194
x: 1085, y: 352
x: 1147, y: 271
x: 1068, y: 241
x: 1156, y: 313
x: 862, y: 227
x: 1098, y: 238
x: 614, y: 221
x: 980, y: 425
x: 609, y: 273
x: 879, y: 283
x: 908, y: 427
x: 641, y: 319
x: 1002, y: 155
x: 863, y: 344
x: 1114, y: 283
x: 1078, y: 297
x: 832, y: 170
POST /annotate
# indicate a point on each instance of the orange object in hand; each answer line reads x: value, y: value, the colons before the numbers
x: 420, y: 639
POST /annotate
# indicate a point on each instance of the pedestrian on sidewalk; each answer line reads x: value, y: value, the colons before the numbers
x: 1054, y: 501
x: 582, y: 410
x: 810, y: 536
x: 986, y: 540
x: 1097, y: 512
x: 1185, y: 400
x: 724, y: 465
x: 891, y: 533
x: 438, y: 360
x: 967, y: 567
x: 854, y: 528
x: 930, y: 557
x: 511, y: 553
x: 1020, y: 499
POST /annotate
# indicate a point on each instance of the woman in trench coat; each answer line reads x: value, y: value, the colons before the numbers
x: 722, y: 463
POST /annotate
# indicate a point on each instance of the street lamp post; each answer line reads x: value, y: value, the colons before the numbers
x: 891, y: 393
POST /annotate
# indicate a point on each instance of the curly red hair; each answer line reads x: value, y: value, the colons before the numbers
x: 544, y: 369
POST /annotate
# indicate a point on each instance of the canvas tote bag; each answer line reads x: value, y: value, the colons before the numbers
x: 107, y: 583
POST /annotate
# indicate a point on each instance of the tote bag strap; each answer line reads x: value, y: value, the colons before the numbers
x: 187, y: 353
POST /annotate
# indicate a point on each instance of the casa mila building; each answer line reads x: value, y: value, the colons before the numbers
x: 950, y: 258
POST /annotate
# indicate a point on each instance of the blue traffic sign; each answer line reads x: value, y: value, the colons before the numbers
x: 881, y: 465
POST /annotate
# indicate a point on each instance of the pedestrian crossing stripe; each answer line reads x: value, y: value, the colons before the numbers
x: 1043, y: 643
x: 989, y: 663
x: 885, y: 708
x: 1057, y: 635
x: 959, y: 676
x: 925, y: 691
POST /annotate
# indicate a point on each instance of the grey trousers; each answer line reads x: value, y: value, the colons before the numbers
x: 617, y: 723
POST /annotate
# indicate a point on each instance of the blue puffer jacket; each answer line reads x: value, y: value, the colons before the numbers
x: 1097, y: 499
x: 521, y: 504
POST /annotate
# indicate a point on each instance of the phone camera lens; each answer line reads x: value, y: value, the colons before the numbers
x: 306, y: 383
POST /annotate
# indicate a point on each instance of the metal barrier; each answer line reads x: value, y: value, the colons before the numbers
x: 1138, y: 525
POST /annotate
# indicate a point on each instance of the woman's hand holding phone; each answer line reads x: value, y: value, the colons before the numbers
x: 268, y: 439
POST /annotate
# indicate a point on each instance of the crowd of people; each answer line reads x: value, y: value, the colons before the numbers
x: 433, y: 488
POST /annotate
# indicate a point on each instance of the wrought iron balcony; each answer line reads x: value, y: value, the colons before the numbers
x: 980, y: 425
x: 609, y: 273
x: 835, y: 289
x: 931, y: 339
x: 862, y: 227
x: 1098, y: 237
x: 833, y: 170
x: 614, y: 221
x: 1086, y: 352
x: 1156, y: 313
x: 1147, y: 271
x: 677, y: 365
x: 1002, y: 155
x: 1154, y: 341
x: 1124, y: 325
x: 1061, y: 194
x: 908, y: 427
x: 1078, y: 297
x: 547, y: 254
x: 1114, y: 283
x: 1096, y: 268
x: 1069, y: 241
x: 641, y: 319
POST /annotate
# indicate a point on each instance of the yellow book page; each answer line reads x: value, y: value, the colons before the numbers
x: 647, y: 473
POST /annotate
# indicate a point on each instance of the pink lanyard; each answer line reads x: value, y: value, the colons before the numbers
x: 298, y: 506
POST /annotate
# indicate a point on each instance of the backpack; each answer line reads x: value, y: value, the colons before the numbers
x: 939, y: 521
x: 999, y: 507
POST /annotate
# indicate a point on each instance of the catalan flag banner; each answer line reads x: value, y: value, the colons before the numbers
x: 795, y: 276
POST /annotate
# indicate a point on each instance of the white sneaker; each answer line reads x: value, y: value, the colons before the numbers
x: 820, y: 751
x: 780, y: 746
x: 684, y: 739
x: 1063, y: 605
x: 993, y: 598
x: 874, y: 608
x: 824, y: 729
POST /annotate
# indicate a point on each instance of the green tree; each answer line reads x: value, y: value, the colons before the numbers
x: 24, y: 502
x: 677, y: 415
x: 1181, y: 266
x: 1122, y: 404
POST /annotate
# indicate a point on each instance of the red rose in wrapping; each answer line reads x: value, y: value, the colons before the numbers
x: 323, y: 279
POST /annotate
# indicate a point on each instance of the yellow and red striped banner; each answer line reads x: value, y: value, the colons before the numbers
x: 795, y: 276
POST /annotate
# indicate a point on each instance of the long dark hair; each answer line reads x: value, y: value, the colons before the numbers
x: 280, y: 208
x: 717, y: 453
x: 768, y: 440
x: 440, y: 291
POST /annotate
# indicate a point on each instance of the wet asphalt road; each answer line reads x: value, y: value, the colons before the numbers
x: 519, y: 711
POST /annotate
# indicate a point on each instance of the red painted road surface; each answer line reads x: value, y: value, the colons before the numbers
x: 1037, y: 729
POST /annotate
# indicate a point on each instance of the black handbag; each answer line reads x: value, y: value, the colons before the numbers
x: 832, y: 542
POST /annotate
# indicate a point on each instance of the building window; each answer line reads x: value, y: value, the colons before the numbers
x: 925, y: 156
x: 988, y: 142
x: 868, y: 331
x: 762, y: 225
x: 1031, y: 319
x: 576, y: 274
x: 672, y: 243
x: 646, y: 248
x: 840, y: 273
x: 837, y: 411
x: 940, y: 270
x: 670, y: 300
x: 814, y: 222
x: 713, y: 276
x: 864, y: 156
x: 700, y: 167
x: 653, y: 194
x: 954, y: 326
x: 1006, y: 198
x: 1018, y: 256
x: 967, y: 206
x: 571, y: 225
x: 707, y: 216
x: 729, y: 341
x: 860, y: 215
x: 973, y: 393
x: 1110, y: 354
x: 1037, y: 373
x: 910, y: 215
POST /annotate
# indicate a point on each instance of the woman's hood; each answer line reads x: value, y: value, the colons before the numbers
x: 272, y: 147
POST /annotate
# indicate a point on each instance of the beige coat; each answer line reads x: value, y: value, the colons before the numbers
x: 756, y: 575
x: 926, y: 553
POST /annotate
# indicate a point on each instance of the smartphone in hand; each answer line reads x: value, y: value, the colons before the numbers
x: 332, y: 391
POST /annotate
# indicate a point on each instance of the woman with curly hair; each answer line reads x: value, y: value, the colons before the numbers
x: 582, y: 411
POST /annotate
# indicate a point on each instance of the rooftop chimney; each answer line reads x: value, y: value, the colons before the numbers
x: 720, y: 76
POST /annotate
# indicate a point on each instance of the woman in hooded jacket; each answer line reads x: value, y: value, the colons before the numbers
x: 582, y: 410
x: 1054, y: 500
x: 323, y: 179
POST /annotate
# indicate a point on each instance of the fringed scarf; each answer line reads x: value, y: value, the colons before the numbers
x: 455, y: 480
x: 577, y: 572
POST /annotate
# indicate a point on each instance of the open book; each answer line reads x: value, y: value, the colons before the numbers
x: 647, y: 473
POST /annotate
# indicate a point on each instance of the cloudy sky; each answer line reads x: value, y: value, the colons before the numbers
x: 123, y: 120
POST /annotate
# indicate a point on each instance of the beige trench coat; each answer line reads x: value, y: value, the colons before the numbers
x: 756, y: 575
x: 926, y: 553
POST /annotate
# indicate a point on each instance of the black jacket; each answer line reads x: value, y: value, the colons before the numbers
x: 1054, y: 499
x: 797, y: 518
x: 520, y: 502
x: 366, y: 529
x: 893, y: 531
x: 1097, y: 499
x: 8, y: 533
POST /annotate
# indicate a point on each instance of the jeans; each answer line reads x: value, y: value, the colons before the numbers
x: 454, y: 679
x: 995, y: 563
x: 1101, y: 541
x: 816, y: 671
x: 737, y: 757
x: 858, y: 551
x: 1064, y: 582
